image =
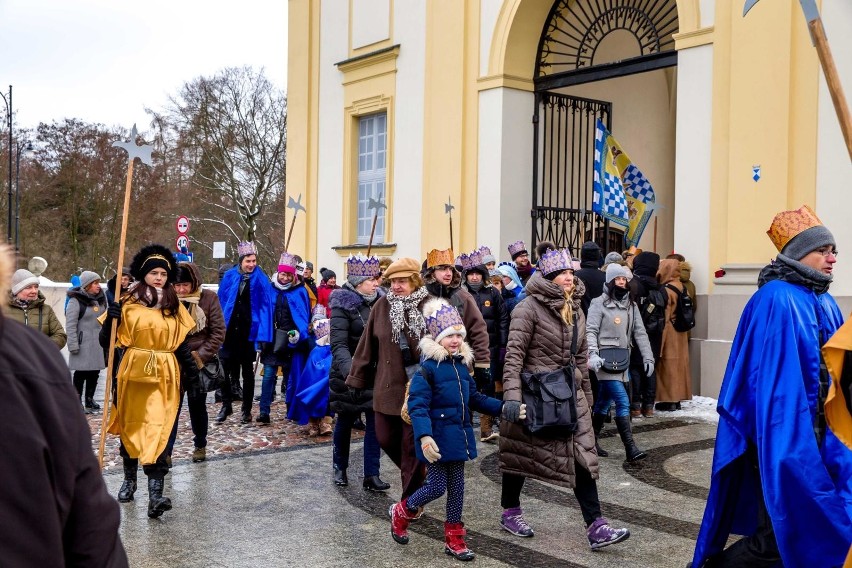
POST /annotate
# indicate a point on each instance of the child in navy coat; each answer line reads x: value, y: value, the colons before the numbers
x: 441, y: 398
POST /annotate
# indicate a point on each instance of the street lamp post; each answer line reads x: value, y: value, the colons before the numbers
x: 9, y: 125
x: 25, y: 146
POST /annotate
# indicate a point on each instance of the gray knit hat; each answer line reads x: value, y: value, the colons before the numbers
x: 613, y: 257
x: 21, y: 279
x: 615, y: 270
x: 87, y: 277
x: 808, y: 241
x: 356, y: 280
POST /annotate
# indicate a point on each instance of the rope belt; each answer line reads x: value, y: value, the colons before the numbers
x: 151, y: 363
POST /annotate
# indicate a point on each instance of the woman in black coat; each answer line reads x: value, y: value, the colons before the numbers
x: 350, y: 310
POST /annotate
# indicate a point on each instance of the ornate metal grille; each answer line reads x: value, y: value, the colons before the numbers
x: 564, y: 129
x: 575, y: 29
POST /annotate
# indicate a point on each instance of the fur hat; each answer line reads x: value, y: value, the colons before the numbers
x: 21, y: 279
x: 151, y: 257
x: 402, y: 268
x: 87, y: 277
x: 615, y: 270
x: 442, y: 320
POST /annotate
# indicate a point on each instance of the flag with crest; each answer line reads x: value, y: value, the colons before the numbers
x: 622, y: 193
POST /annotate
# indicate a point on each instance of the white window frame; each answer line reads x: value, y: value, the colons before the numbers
x: 372, y: 175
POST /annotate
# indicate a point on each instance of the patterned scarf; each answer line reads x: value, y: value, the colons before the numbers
x: 404, y: 309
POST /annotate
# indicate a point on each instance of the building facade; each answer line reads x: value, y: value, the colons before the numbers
x: 489, y: 106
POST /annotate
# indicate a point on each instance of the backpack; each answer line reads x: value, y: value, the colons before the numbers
x: 653, y: 310
x: 684, y: 316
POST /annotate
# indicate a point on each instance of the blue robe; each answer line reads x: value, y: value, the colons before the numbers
x: 261, y: 308
x: 311, y: 398
x: 300, y: 310
x: 769, y: 399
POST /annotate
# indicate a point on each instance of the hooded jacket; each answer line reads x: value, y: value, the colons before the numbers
x: 205, y: 342
x: 591, y: 275
x: 349, y: 315
x: 39, y: 316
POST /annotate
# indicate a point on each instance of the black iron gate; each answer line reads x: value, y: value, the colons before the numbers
x: 563, y: 158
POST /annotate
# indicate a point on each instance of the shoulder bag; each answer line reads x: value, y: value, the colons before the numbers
x: 616, y: 360
x: 212, y: 374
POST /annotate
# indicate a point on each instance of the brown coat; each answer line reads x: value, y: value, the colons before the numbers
x: 207, y: 341
x: 674, y: 378
x: 377, y: 361
x: 539, y: 340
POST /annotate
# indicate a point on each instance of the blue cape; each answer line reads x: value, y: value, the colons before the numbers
x: 769, y: 399
x: 300, y: 310
x: 261, y: 308
x: 311, y: 398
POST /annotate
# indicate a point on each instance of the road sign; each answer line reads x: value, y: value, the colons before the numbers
x: 182, y: 242
x: 182, y: 225
x: 219, y: 249
x: 191, y: 257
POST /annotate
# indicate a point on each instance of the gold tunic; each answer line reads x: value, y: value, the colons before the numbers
x: 148, y: 379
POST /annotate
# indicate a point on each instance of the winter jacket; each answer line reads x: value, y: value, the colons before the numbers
x: 594, y: 279
x: 54, y: 498
x: 639, y: 287
x: 349, y: 315
x: 206, y: 342
x: 608, y: 325
x: 493, y: 309
x: 539, y: 340
x: 674, y: 376
x: 291, y: 312
x: 377, y: 362
x: 85, y: 351
x: 477, y: 332
x: 441, y: 399
x: 39, y: 316
x: 685, y: 275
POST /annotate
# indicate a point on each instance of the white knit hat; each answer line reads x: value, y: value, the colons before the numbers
x: 21, y: 279
x: 614, y: 270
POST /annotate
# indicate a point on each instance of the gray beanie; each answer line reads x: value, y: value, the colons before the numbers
x: 613, y: 257
x: 21, y: 279
x: 356, y: 280
x: 808, y: 241
x: 87, y: 277
x: 614, y: 270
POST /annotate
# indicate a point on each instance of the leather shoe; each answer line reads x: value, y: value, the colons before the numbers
x: 373, y: 483
x: 224, y: 412
x: 246, y: 419
x: 340, y: 477
x: 263, y: 418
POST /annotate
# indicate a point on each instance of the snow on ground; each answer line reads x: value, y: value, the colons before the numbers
x: 700, y: 408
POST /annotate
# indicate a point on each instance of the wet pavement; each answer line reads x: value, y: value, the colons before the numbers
x: 259, y: 505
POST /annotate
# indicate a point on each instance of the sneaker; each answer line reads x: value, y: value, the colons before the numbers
x: 199, y: 455
x: 601, y: 534
x: 514, y: 522
x: 263, y: 418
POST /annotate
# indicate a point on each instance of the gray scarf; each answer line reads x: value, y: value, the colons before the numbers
x: 404, y: 309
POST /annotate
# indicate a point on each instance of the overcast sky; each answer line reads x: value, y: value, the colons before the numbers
x: 105, y: 60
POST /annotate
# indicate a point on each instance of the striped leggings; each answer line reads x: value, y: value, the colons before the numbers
x: 440, y: 478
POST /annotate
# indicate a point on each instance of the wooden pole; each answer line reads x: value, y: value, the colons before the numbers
x: 835, y: 88
x: 372, y: 232
x: 111, y: 353
x: 290, y: 233
x: 451, y: 232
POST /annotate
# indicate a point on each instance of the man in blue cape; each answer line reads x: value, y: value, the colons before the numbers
x: 780, y: 477
x: 244, y: 293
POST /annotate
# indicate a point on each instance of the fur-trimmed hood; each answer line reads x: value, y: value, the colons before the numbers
x: 345, y: 298
x: 430, y: 349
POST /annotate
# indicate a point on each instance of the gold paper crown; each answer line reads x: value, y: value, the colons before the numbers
x: 437, y: 257
x: 788, y: 224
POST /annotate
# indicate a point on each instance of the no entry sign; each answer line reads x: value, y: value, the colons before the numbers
x: 182, y: 225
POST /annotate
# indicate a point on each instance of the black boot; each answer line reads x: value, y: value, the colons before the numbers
x: 597, y: 424
x: 340, y: 477
x: 91, y: 404
x: 236, y: 390
x: 633, y: 453
x: 224, y: 412
x: 157, y: 504
x: 128, y: 486
x: 374, y: 483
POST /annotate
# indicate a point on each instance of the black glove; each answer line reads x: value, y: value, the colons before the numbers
x: 512, y: 410
x: 356, y: 394
x: 190, y: 379
x: 482, y: 376
x: 114, y: 311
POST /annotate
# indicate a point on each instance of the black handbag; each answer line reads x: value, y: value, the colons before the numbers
x: 616, y: 360
x: 212, y: 375
x: 281, y: 341
x: 550, y: 397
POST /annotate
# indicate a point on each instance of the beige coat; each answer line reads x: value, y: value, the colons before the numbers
x: 539, y: 340
x: 674, y: 378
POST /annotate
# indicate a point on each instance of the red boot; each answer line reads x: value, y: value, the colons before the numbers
x: 454, y: 537
x: 400, y: 517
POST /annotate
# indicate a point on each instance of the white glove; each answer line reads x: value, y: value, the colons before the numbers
x: 523, y: 413
x: 595, y: 362
x: 293, y: 337
x: 430, y: 449
x: 649, y: 368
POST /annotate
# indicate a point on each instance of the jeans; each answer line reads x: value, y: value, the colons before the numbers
x: 342, y: 439
x: 267, y: 387
x: 198, y: 418
x: 609, y: 391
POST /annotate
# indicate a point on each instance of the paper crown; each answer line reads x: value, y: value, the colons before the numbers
x: 445, y: 321
x: 516, y: 248
x: 788, y: 224
x: 245, y: 248
x: 471, y: 260
x: 437, y: 257
x: 555, y: 261
x: 363, y: 266
x: 485, y: 251
x: 318, y: 313
x: 321, y: 328
x: 287, y: 263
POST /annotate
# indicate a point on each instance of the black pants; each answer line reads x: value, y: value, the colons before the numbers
x: 643, y: 387
x: 585, y: 490
x: 156, y: 470
x: 757, y: 550
x: 233, y: 366
x: 90, y: 378
x: 198, y: 418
